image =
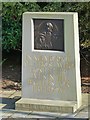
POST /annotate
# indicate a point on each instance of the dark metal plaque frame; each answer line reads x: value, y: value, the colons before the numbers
x: 49, y: 34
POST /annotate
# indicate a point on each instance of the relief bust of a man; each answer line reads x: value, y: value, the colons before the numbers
x: 44, y: 39
x: 48, y: 34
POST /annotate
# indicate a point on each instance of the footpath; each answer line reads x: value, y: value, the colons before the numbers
x: 7, y: 109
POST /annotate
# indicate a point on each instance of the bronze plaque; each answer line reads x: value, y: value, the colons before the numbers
x: 49, y: 34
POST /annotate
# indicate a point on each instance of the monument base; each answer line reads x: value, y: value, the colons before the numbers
x: 46, y: 105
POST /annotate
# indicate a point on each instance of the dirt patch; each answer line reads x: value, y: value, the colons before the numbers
x: 11, y: 67
x: 10, y: 85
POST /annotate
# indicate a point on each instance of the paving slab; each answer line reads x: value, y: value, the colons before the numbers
x: 8, y: 93
x: 1, y: 92
x: 8, y: 103
x: 50, y: 114
x: 8, y: 98
x: 19, y: 115
x: 86, y: 99
x: 38, y: 116
x: 15, y: 95
x: 82, y: 115
x: 1, y: 114
x: 2, y: 105
x: 7, y: 115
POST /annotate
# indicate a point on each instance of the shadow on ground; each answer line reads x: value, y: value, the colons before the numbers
x: 9, y: 102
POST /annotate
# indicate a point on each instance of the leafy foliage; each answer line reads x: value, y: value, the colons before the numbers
x: 12, y: 20
x: 12, y: 23
x: 83, y: 10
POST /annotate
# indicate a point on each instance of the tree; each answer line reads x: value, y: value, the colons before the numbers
x: 12, y: 23
x: 12, y: 20
x: 83, y: 10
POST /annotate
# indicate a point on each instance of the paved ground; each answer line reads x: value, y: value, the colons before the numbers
x: 7, y: 109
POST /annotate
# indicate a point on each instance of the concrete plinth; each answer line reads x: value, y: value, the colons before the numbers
x: 46, y: 105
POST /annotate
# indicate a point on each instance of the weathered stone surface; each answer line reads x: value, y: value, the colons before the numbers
x: 49, y: 74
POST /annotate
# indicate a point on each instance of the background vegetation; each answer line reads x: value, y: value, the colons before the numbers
x: 12, y: 20
x: 12, y: 37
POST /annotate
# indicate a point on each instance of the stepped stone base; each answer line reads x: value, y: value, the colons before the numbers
x: 46, y: 105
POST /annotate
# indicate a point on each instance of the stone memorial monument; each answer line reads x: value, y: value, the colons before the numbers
x: 50, y: 62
